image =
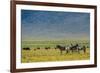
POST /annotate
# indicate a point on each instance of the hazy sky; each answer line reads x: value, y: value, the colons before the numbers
x: 38, y: 25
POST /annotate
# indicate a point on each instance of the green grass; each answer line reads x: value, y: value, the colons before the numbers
x: 52, y: 54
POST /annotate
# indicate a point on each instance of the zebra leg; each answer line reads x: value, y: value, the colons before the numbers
x: 84, y: 50
x: 72, y: 51
x: 79, y: 51
x: 61, y: 52
x: 66, y: 51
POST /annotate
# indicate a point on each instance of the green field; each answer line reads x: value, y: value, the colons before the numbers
x: 42, y: 55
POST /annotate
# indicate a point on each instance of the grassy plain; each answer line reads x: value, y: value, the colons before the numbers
x: 42, y: 55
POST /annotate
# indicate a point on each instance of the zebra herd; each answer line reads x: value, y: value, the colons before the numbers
x: 72, y: 48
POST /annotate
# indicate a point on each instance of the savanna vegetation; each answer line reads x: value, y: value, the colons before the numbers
x: 38, y: 53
